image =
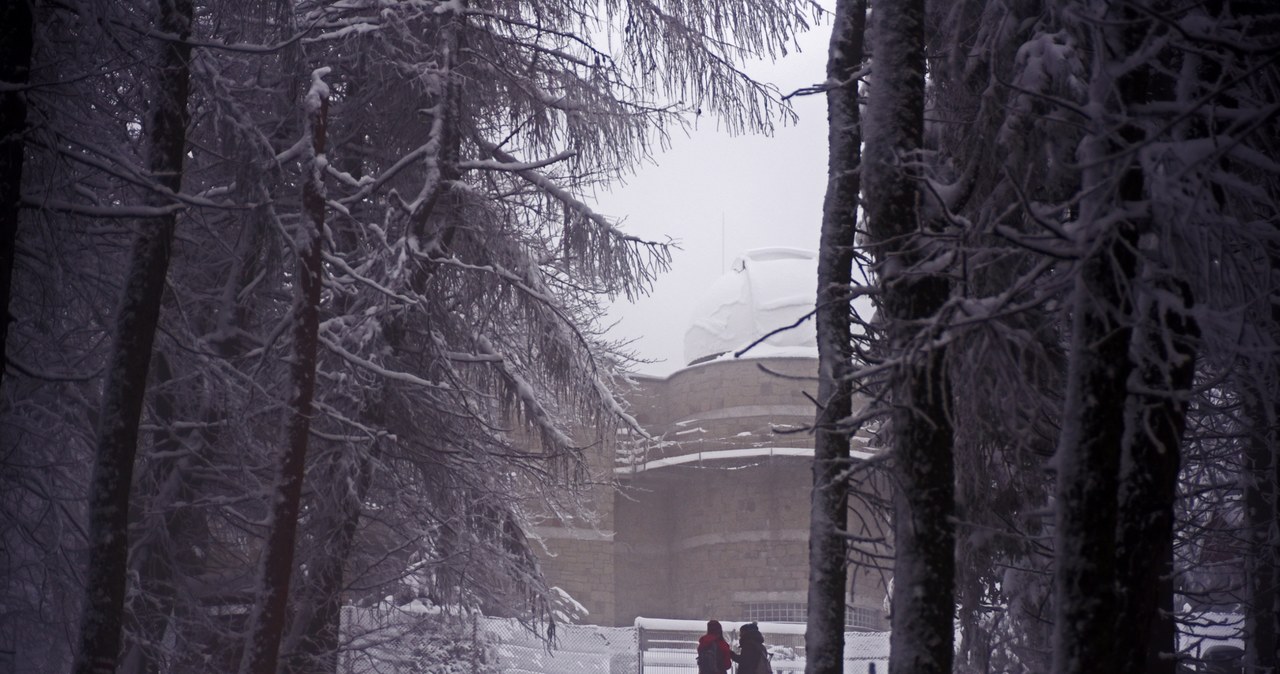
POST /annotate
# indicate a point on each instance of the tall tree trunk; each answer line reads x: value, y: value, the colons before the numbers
x: 15, y: 68
x: 1151, y: 459
x: 150, y: 560
x: 920, y: 428
x: 171, y: 533
x: 313, y: 646
x: 1092, y: 436
x: 126, y: 381
x: 1272, y: 658
x: 312, y: 643
x: 1260, y: 474
x: 1259, y: 487
x: 1087, y: 461
x: 262, y: 644
x: 829, y: 507
x: 1262, y: 652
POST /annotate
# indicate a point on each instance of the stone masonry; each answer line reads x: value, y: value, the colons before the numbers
x: 712, y: 517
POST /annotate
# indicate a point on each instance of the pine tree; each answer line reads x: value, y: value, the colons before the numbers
x: 134, y: 334
x: 909, y: 302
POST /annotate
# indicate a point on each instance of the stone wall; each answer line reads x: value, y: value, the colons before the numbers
x: 644, y: 564
x: 579, y: 555
x: 727, y: 405
x: 752, y: 537
x: 583, y: 567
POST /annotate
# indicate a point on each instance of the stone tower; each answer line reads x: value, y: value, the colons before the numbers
x: 712, y: 516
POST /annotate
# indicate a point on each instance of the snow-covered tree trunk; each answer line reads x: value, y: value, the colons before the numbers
x: 262, y: 643
x: 824, y: 637
x: 829, y: 508
x: 126, y: 375
x: 312, y: 642
x: 150, y: 557
x: 15, y: 65
x: 920, y: 436
x: 1266, y: 653
x: 1156, y: 418
x: 1271, y: 657
x: 1088, y: 458
x: 1258, y: 487
x: 1089, y: 445
x: 312, y: 646
x: 1261, y: 477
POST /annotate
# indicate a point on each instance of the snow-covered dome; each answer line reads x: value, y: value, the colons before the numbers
x: 765, y: 289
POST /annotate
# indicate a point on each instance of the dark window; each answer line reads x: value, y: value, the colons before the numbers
x: 855, y: 617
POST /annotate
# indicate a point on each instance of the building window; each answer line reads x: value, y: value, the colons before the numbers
x: 774, y: 612
x: 862, y: 618
x: 855, y: 617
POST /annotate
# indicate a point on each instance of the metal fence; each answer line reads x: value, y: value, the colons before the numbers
x: 419, y: 640
x: 576, y: 649
x: 416, y: 639
x: 670, y: 646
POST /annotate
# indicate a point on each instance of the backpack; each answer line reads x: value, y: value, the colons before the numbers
x: 709, y: 658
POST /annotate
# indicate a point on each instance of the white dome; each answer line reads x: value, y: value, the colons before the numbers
x: 765, y: 289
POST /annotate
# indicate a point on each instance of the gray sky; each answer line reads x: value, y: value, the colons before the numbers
x: 767, y: 191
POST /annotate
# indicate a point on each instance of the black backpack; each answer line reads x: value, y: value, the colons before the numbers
x: 709, y: 658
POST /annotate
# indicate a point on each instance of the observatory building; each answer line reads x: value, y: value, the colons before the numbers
x: 712, y: 519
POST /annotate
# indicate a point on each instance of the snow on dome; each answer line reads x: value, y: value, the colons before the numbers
x: 765, y: 289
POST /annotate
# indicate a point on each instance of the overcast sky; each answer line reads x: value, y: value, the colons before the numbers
x: 767, y: 192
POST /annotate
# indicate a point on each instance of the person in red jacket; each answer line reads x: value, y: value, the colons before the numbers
x: 724, y: 655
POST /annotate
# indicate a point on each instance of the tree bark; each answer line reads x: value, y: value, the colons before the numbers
x: 149, y: 559
x: 1262, y: 619
x: 15, y: 68
x: 313, y: 641
x: 1088, y: 461
x: 1151, y: 459
x: 313, y: 647
x: 1260, y: 475
x: 1092, y: 436
x: 919, y: 425
x: 130, y: 358
x: 262, y: 645
x: 1271, y: 658
x: 829, y: 507
x: 171, y: 533
x: 1259, y: 487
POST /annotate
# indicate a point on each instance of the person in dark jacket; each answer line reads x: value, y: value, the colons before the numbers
x: 754, y: 658
x: 715, y: 636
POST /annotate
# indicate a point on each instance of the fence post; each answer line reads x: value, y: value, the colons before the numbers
x: 475, y: 644
x: 639, y: 649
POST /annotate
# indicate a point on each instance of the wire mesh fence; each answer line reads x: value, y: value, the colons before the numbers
x: 670, y: 646
x: 416, y: 639
x: 576, y: 649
